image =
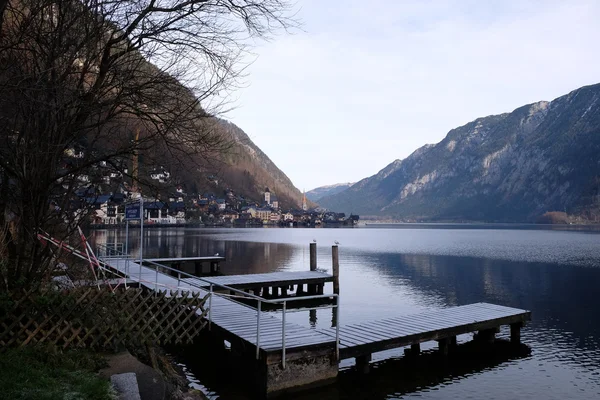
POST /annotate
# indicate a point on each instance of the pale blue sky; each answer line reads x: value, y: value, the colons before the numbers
x: 368, y: 82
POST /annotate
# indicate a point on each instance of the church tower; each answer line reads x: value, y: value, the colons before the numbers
x: 267, y: 196
x: 304, y: 205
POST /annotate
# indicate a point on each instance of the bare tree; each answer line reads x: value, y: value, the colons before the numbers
x: 86, y: 85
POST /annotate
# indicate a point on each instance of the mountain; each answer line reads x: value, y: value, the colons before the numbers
x: 242, y: 168
x: 509, y: 167
x: 322, y: 191
x: 248, y: 170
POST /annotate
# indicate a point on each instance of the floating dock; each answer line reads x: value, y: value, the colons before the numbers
x: 286, y: 356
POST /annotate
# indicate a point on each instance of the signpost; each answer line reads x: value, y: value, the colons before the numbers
x: 132, y: 212
x: 135, y: 212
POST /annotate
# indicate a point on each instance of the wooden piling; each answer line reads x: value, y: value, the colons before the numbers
x: 362, y: 363
x: 335, y: 260
x: 312, y: 289
x: 515, y: 332
x: 198, y: 268
x: 214, y: 267
x: 415, y: 349
x: 313, y: 256
x: 443, y: 345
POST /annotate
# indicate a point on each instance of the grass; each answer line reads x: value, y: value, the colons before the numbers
x: 46, y: 373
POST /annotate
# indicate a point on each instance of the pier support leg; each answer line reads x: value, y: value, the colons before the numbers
x: 214, y: 267
x: 415, y: 349
x: 362, y: 363
x: 515, y: 333
x: 198, y: 268
x: 486, y: 336
x: 443, y: 345
x: 452, y: 343
x: 312, y: 317
x: 320, y: 288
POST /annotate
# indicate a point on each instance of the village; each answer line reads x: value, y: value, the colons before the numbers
x: 209, y: 209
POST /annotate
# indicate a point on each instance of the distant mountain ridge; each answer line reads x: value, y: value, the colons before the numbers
x: 509, y: 167
x: 322, y: 191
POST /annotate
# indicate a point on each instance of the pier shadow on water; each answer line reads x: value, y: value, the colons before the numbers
x: 223, y: 376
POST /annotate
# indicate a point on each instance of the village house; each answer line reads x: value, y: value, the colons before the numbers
x: 250, y: 211
x: 229, y: 215
x: 275, y: 217
x: 263, y: 213
x: 288, y: 217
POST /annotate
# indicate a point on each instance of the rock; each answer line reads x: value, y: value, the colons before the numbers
x: 126, y: 386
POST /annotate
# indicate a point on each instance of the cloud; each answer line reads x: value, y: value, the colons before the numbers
x: 369, y: 82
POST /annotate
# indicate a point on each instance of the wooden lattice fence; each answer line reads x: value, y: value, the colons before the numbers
x: 100, y: 318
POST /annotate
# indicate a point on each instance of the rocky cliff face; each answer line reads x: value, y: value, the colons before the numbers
x: 510, y: 167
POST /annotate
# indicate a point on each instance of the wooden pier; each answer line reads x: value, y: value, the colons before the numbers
x: 286, y: 356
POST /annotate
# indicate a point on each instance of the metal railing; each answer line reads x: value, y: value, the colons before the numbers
x: 239, y: 294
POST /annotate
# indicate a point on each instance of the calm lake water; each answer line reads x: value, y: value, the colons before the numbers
x: 393, y: 271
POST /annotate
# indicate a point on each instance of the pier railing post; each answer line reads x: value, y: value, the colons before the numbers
x: 210, y: 307
x: 156, y: 280
x: 258, y: 331
x: 283, y: 337
x: 337, y: 328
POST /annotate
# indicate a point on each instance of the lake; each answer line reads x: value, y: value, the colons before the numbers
x: 397, y: 270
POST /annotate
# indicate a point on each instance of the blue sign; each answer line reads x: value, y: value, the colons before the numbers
x: 132, y: 212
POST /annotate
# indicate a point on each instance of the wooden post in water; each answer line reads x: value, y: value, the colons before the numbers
x: 515, y: 333
x: 335, y: 260
x: 312, y: 289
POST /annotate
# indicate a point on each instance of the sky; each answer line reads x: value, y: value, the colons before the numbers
x: 366, y: 82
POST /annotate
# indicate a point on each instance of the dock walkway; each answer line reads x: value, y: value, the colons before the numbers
x: 373, y: 336
x: 312, y: 355
x: 236, y: 320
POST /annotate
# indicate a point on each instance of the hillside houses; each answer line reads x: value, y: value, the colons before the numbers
x: 175, y: 206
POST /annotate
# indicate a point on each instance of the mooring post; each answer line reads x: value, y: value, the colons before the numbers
x: 312, y: 289
x: 313, y: 256
x: 515, y: 333
x: 335, y: 261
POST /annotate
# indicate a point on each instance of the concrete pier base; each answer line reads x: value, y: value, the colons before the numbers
x: 300, y: 373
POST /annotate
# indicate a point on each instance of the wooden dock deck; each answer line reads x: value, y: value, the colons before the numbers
x: 272, y: 341
x: 235, y: 320
x: 272, y: 279
x: 374, y: 336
